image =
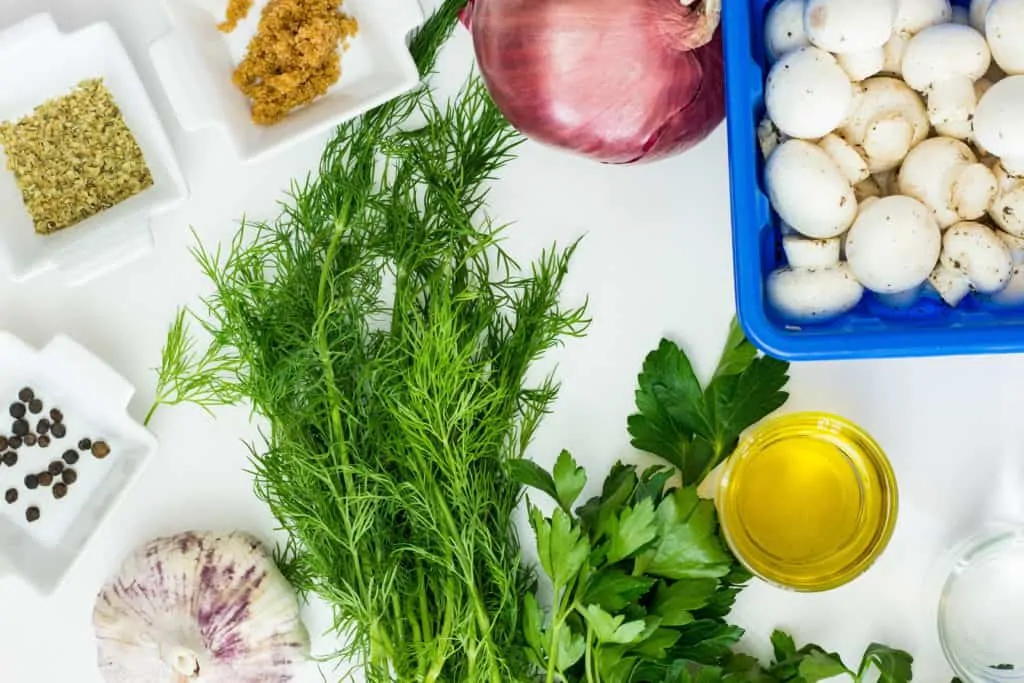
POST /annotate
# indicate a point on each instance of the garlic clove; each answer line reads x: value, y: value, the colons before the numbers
x: 199, y: 606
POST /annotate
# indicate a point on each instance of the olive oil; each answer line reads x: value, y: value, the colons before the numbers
x: 807, y: 501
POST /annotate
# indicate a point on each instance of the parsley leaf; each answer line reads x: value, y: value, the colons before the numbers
x: 894, y: 666
x: 783, y: 645
x: 818, y: 665
x: 569, y: 480
x: 614, y: 589
x: 529, y: 473
x: 611, y: 629
x: 631, y: 530
x: 689, y: 545
x: 673, y: 602
x: 694, y: 428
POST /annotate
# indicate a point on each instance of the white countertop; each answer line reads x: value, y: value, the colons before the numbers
x: 655, y: 262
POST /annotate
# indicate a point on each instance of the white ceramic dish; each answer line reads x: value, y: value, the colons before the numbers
x: 94, y: 401
x: 38, y: 63
x: 195, y: 63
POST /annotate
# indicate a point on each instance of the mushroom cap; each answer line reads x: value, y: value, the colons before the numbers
x: 1013, y: 293
x: 943, y: 52
x: 887, y: 119
x: 1004, y: 29
x: 1007, y: 210
x: 849, y: 25
x: 893, y: 245
x: 863, y: 64
x: 977, y: 251
x: 952, y: 285
x: 927, y: 175
x: 999, y: 118
x: 849, y: 160
x: 807, y: 94
x: 913, y: 16
x: 808, y: 191
x: 803, y: 295
x: 979, y: 8
x: 784, y: 28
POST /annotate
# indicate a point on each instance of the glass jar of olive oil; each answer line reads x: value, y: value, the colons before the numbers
x: 807, y: 501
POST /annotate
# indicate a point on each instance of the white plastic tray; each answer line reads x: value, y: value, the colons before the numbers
x: 38, y: 63
x: 94, y: 400
x: 195, y: 63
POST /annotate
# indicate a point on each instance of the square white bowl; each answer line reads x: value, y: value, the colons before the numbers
x: 39, y: 63
x: 94, y: 400
x: 195, y: 62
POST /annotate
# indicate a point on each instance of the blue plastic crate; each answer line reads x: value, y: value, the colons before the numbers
x: 872, y: 330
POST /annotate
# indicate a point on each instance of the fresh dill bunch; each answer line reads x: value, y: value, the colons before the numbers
x: 383, y: 333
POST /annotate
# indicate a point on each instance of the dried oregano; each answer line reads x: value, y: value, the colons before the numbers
x: 74, y: 157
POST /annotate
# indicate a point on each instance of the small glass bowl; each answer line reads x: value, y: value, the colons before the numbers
x: 841, y: 532
x: 981, y: 608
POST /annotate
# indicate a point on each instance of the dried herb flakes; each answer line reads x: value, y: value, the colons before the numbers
x: 74, y: 157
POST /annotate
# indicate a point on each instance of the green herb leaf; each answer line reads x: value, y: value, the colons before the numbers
x: 657, y: 644
x: 529, y: 473
x: 818, y: 665
x: 739, y: 401
x: 614, y: 589
x: 783, y: 646
x: 611, y: 629
x: 569, y: 480
x: 571, y: 648
x: 738, y: 353
x: 707, y: 642
x: 616, y: 492
x: 568, y: 551
x: 533, y: 624
x: 894, y: 666
x: 673, y: 602
x: 631, y: 530
x: 688, y: 545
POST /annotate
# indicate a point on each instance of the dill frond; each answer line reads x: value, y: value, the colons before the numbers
x: 383, y: 333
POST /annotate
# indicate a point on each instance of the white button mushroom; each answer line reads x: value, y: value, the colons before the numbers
x: 846, y: 157
x: 943, y: 62
x: 1015, y: 244
x: 979, y: 254
x: 893, y: 245
x: 1007, y: 210
x: 951, y: 285
x: 977, y: 12
x: 807, y: 94
x: 863, y: 64
x: 886, y: 120
x: 804, y: 252
x: 851, y: 27
x: 943, y: 173
x: 1004, y: 29
x: 808, y: 191
x: 912, y: 17
x: 999, y: 123
x: 784, y: 28
x: 1013, y: 293
x: 804, y: 295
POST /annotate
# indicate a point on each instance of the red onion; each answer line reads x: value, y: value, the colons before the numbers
x: 620, y: 81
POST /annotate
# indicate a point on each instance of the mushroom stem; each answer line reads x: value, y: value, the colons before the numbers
x: 951, y: 102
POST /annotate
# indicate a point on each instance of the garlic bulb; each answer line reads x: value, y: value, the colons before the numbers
x: 200, y: 607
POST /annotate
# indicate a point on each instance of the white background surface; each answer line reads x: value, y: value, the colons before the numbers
x: 656, y: 262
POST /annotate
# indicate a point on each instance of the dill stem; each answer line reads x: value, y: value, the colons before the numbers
x: 152, y: 410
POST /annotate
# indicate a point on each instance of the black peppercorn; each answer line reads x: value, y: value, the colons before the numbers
x: 32, y: 514
x: 26, y: 394
x: 69, y: 476
x: 31, y: 481
x: 19, y: 427
x: 100, y: 450
x: 56, y: 415
x: 60, y: 490
x: 70, y: 457
x: 45, y: 478
x: 44, y: 441
x: 35, y: 405
x: 11, y: 496
x: 10, y: 458
x: 55, y: 468
x: 18, y: 410
x: 3, y: 443
x: 85, y: 444
x: 30, y: 439
x: 14, y: 442
x: 42, y: 426
x: 58, y: 430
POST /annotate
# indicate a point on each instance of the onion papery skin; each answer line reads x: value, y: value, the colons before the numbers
x: 614, y: 80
